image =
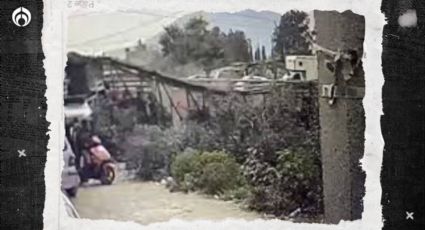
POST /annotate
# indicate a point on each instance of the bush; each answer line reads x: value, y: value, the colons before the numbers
x: 287, y: 117
x: 185, y: 166
x: 294, y: 182
x: 275, y: 139
x: 210, y: 172
x: 300, y: 173
x: 152, y: 148
x: 239, y: 194
x: 198, y: 136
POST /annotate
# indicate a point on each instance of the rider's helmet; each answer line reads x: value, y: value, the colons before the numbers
x: 96, y: 140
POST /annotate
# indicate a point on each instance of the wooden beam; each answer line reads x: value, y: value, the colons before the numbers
x: 171, y: 102
x: 194, y: 101
x: 159, y: 92
x: 187, y: 98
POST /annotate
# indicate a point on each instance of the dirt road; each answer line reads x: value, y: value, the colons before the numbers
x: 146, y: 202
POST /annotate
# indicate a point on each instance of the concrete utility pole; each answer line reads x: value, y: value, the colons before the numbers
x: 342, y: 120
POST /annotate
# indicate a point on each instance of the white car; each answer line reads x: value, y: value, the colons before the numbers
x: 70, y: 177
x: 246, y: 85
x: 293, y: 76
x: 77, y: 111
x: 228, y: 72
x: 197, y: 76
x: 69, y: 207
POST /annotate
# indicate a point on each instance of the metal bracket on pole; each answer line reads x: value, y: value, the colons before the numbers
x: 332, y: 92
x: 328, y: 91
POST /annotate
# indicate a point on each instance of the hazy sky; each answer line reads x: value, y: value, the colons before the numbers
x: 114, y: 30
x: 105, y: 31
x: 93, y: 33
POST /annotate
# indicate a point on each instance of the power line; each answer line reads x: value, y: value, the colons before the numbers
x: 120, y: 33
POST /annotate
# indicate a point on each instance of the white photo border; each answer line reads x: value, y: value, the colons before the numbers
x: 54, y: 47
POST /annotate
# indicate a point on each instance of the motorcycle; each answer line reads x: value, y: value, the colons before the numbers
x: 97, y: 163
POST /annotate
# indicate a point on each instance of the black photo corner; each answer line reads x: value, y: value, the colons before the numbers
x: 23, y: 124
x: 402, y: 123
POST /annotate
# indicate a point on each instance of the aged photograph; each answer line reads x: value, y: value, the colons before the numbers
x: 214, y: 115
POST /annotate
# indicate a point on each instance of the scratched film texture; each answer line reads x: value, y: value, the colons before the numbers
x: 23, y: 125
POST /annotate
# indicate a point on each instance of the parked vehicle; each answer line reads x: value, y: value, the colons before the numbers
x: 70, y: 177
x: 197, y: 76
x: 76, y: 107
x: 69, y: 207
x: 227, y: 72
x: 294, y: 76
x: 250, y: 83
x: 97, y: 163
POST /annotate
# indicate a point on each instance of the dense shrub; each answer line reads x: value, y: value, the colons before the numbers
x: 220, y: 173
x: 287, y: 117
x: 185, y: 165
x: 238, y: 194
x: 300, y: 173
x: 152, y: 149
x: 209, y: 172
x: 199, y: 136
x: 293, y: 183
x: 275, y: 140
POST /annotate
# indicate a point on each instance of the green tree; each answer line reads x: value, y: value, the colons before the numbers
x: 171, y: 42
x: 263, y: 53
x: 195, y: 43
x: 236, y: 47
x: 185, y: 44
x: 257, y: 54
x: 250, y: 50
x: 289, y: 35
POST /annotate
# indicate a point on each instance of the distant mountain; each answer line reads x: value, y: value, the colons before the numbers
x: 257, y: 25
x: 112, y: 32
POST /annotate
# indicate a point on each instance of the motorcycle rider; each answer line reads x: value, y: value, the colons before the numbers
x: 82, y: 135
x: 95, y: 154
x: 98, y: 152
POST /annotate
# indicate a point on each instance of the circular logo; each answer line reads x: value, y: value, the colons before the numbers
x: 21, y: 16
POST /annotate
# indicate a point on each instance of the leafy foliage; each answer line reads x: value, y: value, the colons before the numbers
x: 185, y: 164
x: 294, y: 182
x: 289, y: 36
x: 210, y: 172
x: 197, y: 44
x: 152, y: 148
x: 287, y: 117
x: 261, y: 150
x: 277, y: 142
